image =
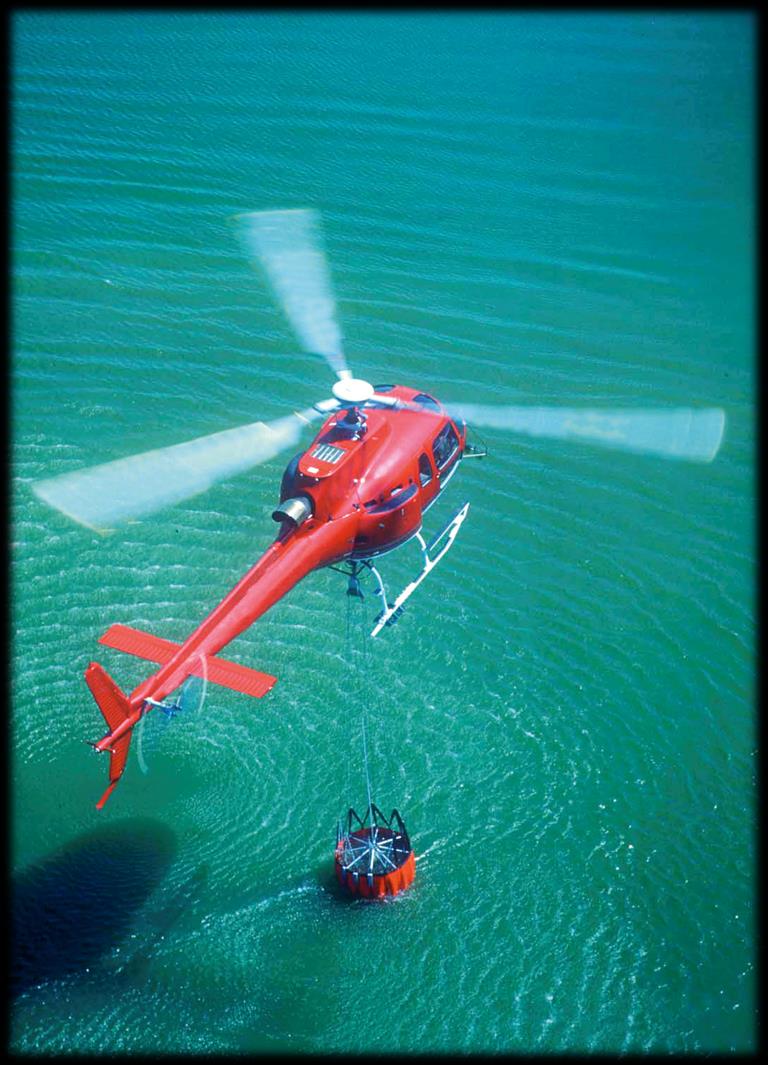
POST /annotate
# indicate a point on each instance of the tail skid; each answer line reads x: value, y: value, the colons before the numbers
x: 116, y: 709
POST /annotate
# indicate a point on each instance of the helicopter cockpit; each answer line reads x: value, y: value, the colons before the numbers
x: 445, y: 446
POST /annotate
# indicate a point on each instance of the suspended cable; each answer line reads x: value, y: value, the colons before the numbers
x: 374, y: 857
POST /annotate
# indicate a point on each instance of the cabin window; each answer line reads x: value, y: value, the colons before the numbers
x: 426, y: 401
x: 425, y: 469
x: 445, y: 446
x: 395, y: 501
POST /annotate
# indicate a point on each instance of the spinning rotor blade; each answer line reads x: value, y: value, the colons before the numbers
x: 101, y: 496
x: 288, y: 247
x: 678, y: 433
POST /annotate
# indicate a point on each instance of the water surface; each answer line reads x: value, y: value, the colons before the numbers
x: 518, y: 208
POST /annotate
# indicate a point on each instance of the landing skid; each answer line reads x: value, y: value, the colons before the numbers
x: 392, y: 611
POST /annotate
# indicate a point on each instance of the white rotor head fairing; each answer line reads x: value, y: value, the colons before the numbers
x: 353, y: 390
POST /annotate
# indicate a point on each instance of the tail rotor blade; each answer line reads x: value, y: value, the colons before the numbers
x: 102, y: 496
x: 681, y: 433
x: 287, y: 245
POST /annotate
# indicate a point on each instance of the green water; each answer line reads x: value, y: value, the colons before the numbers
x: 518, y: 208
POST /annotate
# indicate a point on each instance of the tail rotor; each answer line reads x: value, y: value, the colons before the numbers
x: 189, y: 701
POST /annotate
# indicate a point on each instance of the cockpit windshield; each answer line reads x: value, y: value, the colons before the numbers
x: 445, y: 446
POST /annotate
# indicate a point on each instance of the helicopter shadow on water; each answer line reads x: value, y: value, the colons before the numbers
x: 72, y: 908
x: 159, y: 924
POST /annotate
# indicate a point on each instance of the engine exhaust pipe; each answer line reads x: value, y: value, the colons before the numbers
x: 294, y: 511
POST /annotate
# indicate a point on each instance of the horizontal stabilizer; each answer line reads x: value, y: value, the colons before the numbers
x: 218, y: 670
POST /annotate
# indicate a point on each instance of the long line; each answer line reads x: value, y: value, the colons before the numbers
x: 365, y: 763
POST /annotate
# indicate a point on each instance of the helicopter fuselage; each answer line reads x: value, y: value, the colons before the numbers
x: 378, y: 467
x: 359, y: 490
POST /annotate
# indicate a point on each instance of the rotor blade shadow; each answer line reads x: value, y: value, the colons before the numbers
x: 71, y: 908
x: 161, y: 922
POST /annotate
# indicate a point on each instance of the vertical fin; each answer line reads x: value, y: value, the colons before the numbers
x: 116, y: 708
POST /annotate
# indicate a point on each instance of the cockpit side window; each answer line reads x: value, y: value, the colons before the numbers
x: 425, y: 469
x: 445, y: 445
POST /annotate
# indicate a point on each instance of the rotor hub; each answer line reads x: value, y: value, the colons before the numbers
x: 353, y: 390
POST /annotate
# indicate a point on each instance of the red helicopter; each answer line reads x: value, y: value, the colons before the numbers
x: 382, y: 457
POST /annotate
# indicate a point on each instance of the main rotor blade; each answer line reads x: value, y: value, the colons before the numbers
x: 102, y: 496
x: 681, y: 433
x: 288, y: 247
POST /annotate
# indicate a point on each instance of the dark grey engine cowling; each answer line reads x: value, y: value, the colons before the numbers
x: 295, y: 510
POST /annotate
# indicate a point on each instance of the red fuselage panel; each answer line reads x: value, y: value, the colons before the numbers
x: 377, y: 476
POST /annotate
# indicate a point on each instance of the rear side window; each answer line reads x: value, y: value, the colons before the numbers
x: 445, y: 445
x: 425, y: 469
